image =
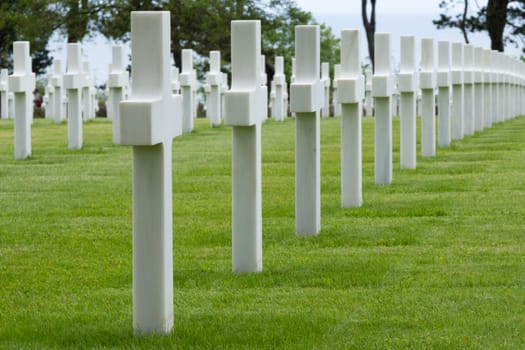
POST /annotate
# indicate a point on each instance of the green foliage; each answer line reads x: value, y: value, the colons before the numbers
x: 433, y: 261
x: 503, y: 20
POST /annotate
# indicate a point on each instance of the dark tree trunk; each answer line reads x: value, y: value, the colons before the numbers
x: 464, y: 22
x: 496, y: 20
x: 370, y: 27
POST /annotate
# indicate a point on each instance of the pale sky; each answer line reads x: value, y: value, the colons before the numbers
x: 382, y: 6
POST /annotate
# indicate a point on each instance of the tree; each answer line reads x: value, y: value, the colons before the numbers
x: 370, y: 27
x: 26, y: 21
x: 503, y: 20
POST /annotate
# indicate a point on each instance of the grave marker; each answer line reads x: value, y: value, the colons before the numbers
x: 478, y: 89
x: 306, y: 99
x: 279, y: 84
x: 443, y: 82
x: 73, y: 85
x: 147, y: 124
x: 407, y: 115
x: 350, y: 95
x: 4, y: 90
x: 335, y: 100
x: 48, y: 98
x: 57, y: 82
x: 382, y: 86
x: 187, y: 83
x: 468, y: 89
x: 487, y: 88
x: 214, y: 80
x: 117, y: 81
x: 325, y: 80
x: 87, y: 83
x: 457, y: 91
x: 427, y: 82
x: 22, y: 83
x: 244, y: 111
x: 369, y: 109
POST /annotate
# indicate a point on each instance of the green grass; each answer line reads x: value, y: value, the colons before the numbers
x: 434, y: 261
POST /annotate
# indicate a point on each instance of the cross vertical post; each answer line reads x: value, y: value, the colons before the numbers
x: 487, y: 88
x: 22, y: 83
x: 118, y: 80
x: 73, y: 85
x: 407, y: 114
x: 427, y: 82
x: 443, y: 83
x: 457, y: 91
x: 325, y: 80
x: 382, y: 87
x: 279, y: 83
x: 306, y: 100
x: 479, y: 109
x: 245, y: 110
x: 350, y: 94
x: 147, y: 124
x: 187, y: 82
x: 214, y: 81
x: 4, y: 90
x: 468, y: 89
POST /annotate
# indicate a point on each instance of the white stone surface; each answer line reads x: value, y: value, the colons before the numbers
x: 350, y: 94
x: 57, y: 82
x: 325, y: 80
x: 306, y: 99
x: 187, y: 82
x: 87, y: 84
x: 407, y: 115
x: 382, y: 86
x: 4, y: 90
x: 22, y: 84
x: 487, y: 88
x: 444, y: 102
x: 335, y: 100
x: 73, y: 85
x: 147, y: 124
x: 369, y: 101
x: 457, y: 91
x: 479, y: 113
x: 427, y: 81
x: 468, y: 90
x: 48, y: 98
x: 244, y: 111
x: 214, y: 81
x: 279, y: 90
x: 117, y: 82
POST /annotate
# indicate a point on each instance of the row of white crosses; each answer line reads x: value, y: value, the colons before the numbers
x: 148, y: 124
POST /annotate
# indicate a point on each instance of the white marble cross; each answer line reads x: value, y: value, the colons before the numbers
x: 279, y: 85
x: 325, y: 80
x: 407, y: 114
x: 369, y: 100
x: 22, y: 83
x: 306, y: 100
x: 245, y: 109
x: 57, y: 82
x: 427, y: 83
x: 382, y: 87
x: 457, y: 91
x: 335, y: 100
x: 350, y: 94
x: 147, y: 124
x: 263, y: 82
x: 117, y: 82
x: 4, y: 90
x: 87, y: 84
x: 444, y: 103
x: 478, y: 89
x: 214, y: 82
x: 468, y: 89
x: 187, y: 82
x: 487, y: 88
x: 73, y: 85
x: 48, y: 98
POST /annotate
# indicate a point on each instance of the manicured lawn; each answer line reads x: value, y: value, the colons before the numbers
x: 435, y: 260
